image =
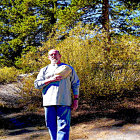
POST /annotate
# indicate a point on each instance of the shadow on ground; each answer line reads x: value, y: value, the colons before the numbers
x: 126, y: 116
x: 15, y: 122
x: 124, y: 111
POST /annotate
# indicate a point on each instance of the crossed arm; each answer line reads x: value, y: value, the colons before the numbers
x: 58, y: 78
x: 52, y: 79
x: 41, y: 83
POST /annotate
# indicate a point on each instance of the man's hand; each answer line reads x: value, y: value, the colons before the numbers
x: 56, y: 78
x: 53, y: 79
x: 74, y: 105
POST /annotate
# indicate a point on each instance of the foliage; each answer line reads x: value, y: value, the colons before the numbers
x: 8, y: 74
x: 24, y: 24
x: 30, y: 61
x: 31, y: 97
x: 123, y: 14
x: 103, y: 69
x: 36, y: 58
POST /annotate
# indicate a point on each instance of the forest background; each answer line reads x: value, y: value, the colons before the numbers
x: 99, y: 38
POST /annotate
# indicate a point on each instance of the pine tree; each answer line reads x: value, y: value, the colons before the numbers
x: 118, y: 15
x: 24, y: 24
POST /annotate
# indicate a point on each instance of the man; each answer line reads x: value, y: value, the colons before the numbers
x: 57, y: 95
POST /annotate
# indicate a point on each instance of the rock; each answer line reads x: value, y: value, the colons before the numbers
x: 9, y: 93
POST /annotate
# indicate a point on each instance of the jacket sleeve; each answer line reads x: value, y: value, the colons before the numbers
x: 39, y: 82
x: 75, y: 83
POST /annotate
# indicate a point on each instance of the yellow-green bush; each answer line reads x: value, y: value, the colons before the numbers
x: 8, y: 74
x: 103, y: 68
x: 31, y: 97
x: 31, y: 61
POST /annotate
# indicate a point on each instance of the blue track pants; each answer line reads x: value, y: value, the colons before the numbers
x: 58, y: 121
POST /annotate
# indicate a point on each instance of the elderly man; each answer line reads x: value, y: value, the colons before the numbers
x: 57, y: 79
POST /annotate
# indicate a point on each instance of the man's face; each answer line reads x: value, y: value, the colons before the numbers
x: 54, y: 56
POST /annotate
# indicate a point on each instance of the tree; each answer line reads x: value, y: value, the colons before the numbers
x: 105, y: 18
x: 118, y: 15
x: 24, y: 24
x: 124, y: 16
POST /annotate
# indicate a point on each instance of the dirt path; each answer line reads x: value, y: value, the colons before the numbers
x: 84, y: 127
x: 129, y: 132
x: 105, y: 120
x: 90, y: 132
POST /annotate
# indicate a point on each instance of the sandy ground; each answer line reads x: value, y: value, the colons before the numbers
x: 102, y: 122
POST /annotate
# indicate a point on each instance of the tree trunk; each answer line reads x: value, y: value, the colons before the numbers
x: 105, y: 17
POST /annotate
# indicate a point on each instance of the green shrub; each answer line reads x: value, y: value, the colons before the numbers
x: 8, y: 74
